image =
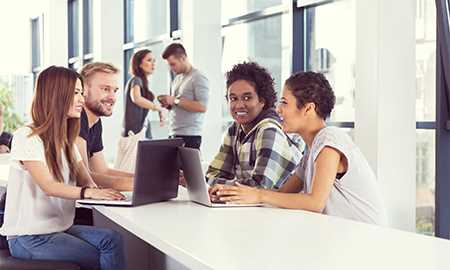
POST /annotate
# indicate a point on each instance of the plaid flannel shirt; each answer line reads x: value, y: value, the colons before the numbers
x: 265, y: 157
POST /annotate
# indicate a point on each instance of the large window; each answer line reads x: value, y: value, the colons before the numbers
x: 151, y: 25
x: 330, y: 49
x: 232, y: 9
x: 36, y: 46
x: 259, y: 36
x: 150, y: 19
x: 425, y: 114
x: 80, y: 40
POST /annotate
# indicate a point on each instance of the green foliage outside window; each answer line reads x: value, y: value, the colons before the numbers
x: 11, y: 121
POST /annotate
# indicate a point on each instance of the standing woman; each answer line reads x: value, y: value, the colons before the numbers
x: 333, y: 176
x: 138, y: 97
x: 47, y: 175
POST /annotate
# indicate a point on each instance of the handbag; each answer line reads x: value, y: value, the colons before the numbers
x: 127, y: 151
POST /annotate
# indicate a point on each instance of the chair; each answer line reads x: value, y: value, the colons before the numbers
x: 7, y: 262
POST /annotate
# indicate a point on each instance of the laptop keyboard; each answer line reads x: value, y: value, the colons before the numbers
x: 128, y: 195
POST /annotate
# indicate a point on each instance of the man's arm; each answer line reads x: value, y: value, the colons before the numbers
x: 222, y: 166
x: 100, y: 173
x: 275, y: 159
x: 191, y: 105
x: 201, y: 95
x: 188, y: 105
x: 98, y: 165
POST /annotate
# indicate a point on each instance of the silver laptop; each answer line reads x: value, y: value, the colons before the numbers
x: 196, y: 181
x: 156, y: 174
x: 128, y: 201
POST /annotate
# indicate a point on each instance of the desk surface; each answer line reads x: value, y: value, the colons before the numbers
x: 269, y: 238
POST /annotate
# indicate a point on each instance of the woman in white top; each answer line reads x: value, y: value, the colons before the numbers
x: 47, y: 175
x: 333, y: 176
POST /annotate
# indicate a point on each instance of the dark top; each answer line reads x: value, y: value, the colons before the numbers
x: 134, y: 117
x: 92, y: 136
x: 6, y: 139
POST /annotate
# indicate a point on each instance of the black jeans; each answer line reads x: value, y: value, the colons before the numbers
x: 190, y: 141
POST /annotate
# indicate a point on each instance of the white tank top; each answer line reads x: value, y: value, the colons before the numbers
x: 356, y: 195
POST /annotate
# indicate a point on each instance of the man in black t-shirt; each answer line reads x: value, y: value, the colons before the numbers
x: 100, y: 84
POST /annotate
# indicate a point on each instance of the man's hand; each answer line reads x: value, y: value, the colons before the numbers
x: 166, y: 101
x: 182, y: 180
x: 4, y: 149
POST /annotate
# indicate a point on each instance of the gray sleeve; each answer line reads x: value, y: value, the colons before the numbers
x: 330, y: 137
x: 136, y: 81
x: 201, y: 88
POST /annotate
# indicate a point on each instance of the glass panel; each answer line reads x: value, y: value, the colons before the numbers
x: 87, y: 24
x: 425, y: 111
x: 36, y: 43
x: 126, y: 70
x: 150, y: 19
x: 232, y: 9
x: 330, y: 49
x: 180, y: 14
x: 73, y: 28
x: 129, y: 24
x: 262, y: 41
x: 425, y: 180
x: 426, y: 60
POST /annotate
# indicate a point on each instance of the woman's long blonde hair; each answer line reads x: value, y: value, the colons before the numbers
x: 54, y: 96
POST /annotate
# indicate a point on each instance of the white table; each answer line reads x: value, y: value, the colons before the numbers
x: 267, y: 238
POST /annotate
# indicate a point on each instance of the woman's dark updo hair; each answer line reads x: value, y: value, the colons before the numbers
x: 312, y: 87
x: 258, y: 77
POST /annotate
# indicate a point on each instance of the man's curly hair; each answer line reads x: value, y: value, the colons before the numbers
x: 257, y: 76
x: 312, y: 87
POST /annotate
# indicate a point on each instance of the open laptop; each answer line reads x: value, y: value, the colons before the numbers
x: 195, y: 179
x: 156, y: 174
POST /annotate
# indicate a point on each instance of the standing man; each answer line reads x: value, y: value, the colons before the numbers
x: 100, y: 84
x: 188, y: 97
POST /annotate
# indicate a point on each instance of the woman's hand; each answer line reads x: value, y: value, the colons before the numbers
x: 212, y: 190
x: 103, y: 194
x: 239, y: 194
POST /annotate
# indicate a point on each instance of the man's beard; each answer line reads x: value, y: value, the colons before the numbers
x: 97, y: 108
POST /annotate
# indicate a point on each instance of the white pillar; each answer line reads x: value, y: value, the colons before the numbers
x: 55, y: 33
x: 203, y: 43
x: 385, y: 101
x: 108, y: 32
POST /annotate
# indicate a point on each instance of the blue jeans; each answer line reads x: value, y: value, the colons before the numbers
x: 89, y: 247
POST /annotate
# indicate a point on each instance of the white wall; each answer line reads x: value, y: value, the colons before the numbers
x: 15, y: 48
x: 55, y: 33
x: 385, y: 101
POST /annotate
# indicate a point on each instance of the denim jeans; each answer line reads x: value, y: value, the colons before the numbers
x: 89, y: 247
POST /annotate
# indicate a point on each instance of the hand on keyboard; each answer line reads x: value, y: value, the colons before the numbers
x: 103, y: 194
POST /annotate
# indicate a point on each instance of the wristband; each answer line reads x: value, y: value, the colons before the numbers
x: 82, y: 191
